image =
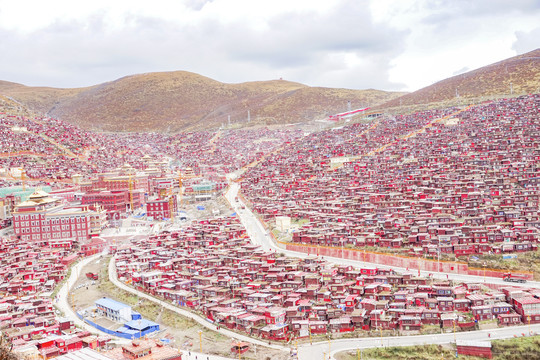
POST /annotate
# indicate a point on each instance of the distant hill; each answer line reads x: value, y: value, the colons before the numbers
x: 176, y: 101
x: 522, y: 73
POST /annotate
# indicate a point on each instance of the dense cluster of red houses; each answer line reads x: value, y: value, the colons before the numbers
x: 211, y: 267
x: 123, y: 172
x: 462, y: 182
x: 50, y: 148
x: 29, y: 271
x: 452, y: 181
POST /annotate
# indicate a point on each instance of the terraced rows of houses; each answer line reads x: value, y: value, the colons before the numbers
x: 49, y: 148
x: 455, y: 182
x: 29, y: 272
x: 211, y: 267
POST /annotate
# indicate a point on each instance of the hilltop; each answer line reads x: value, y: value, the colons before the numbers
x: 514, y: 76
x: 184, y: 101
x: 180, y: 101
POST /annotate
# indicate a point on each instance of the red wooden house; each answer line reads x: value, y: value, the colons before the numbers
x: 474, y: 348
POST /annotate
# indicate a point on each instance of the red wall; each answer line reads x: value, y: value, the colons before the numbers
x: 411, y: 263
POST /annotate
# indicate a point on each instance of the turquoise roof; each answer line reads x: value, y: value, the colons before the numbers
x: 18, y: 191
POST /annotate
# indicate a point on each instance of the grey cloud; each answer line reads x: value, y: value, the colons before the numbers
x: 197, y: 4
x: 303, y: 47
x: 461, y: 71
x: 345, y: 29
x: 526, y: 41
x: 443, y: 11
x: 299, y: 42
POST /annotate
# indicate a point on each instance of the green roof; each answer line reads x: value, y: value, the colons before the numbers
x: 18, y: 191
x: 203, y: 187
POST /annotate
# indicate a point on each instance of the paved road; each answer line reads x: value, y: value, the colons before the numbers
x: 62, y: 302
x: 63, y: 305
x: 316, y: 350
x: 202, y: 321
x: 260, y: 236
x: 191, y: 355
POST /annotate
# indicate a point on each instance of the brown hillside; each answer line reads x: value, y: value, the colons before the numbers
x: 39, y: 99
x: 317, y: 103
x: 176, y: 101
x: 522, y: 71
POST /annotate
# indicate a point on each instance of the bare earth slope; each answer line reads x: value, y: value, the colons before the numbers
x: 39, y: 99
x: 521, y: 73
x: 176, y: 101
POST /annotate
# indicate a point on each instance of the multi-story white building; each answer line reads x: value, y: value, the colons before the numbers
x: 114, y: 310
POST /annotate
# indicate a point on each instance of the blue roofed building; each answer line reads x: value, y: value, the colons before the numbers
x: 114, y: 310
x: 140, y: 327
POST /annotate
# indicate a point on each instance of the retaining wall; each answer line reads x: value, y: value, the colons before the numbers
x: 412, y: 263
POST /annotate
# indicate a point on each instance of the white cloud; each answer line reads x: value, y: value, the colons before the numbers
x: 526, y: 41
x: 446, y: 36
x: 380, y: 44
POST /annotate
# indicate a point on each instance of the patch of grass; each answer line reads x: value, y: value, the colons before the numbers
x: 517, y: 349
x: 526, y: 261
x: 144, y: 307
x: 426, y: 352
x: 431, y: 329
x: 172, y: 319
x: 511, y: 349
x: 147, y: 309
x: 61, y: 283
x: 299, y: 222
x: 104, y: 284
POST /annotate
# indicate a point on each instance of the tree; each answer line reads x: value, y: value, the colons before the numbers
x: 5, y: 349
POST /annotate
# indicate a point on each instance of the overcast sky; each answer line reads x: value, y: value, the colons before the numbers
x: 356, y: 44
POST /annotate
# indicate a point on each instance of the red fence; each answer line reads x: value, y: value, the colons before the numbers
x: 415, y: 263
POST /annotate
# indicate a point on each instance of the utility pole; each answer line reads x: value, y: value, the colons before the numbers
x: 439, y: 257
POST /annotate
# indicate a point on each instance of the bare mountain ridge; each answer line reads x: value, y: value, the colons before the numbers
x: 514, y: 76
x: 180, y: 100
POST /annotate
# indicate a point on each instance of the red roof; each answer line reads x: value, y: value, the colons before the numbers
x: 527, y: 300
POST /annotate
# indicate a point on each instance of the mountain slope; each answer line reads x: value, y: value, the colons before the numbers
x: 176, y: 101
x: 519, y: 74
